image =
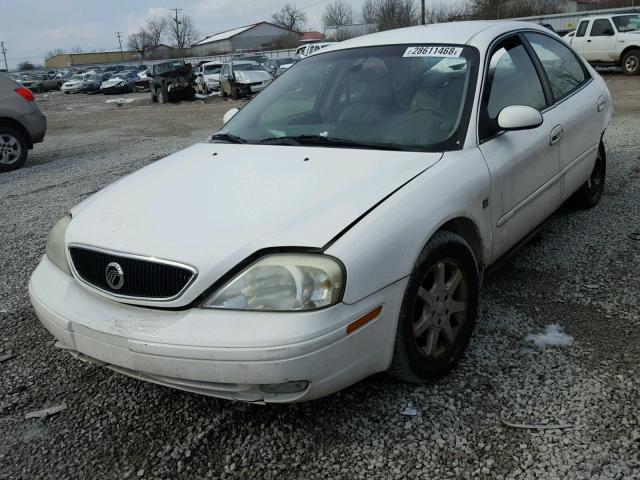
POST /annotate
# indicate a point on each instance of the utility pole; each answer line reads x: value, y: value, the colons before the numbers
x: 178, y: 40
x: 424, y: 13
x: 120, y: 42
x: 4, y: 54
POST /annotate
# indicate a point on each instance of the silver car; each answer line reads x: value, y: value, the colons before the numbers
x: 22, y: 124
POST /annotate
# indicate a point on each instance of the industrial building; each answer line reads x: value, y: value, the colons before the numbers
x: 257, y: 36
x: 66, y: 60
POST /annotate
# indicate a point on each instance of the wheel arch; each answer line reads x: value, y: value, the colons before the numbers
x: 627, y: 49
x: 13, y: 123
x: 468, y: 230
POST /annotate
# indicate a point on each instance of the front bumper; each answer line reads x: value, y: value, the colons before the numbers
x: 77, y: 89
x: 226, y: 354
x: 113, y: 90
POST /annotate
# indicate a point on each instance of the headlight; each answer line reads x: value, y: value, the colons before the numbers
x: 283, y: 282
x: 55, y: 250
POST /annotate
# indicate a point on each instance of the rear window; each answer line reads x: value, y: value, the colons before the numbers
x: 565, y: 72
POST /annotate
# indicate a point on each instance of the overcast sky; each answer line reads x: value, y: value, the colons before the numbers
x: 30, y: 28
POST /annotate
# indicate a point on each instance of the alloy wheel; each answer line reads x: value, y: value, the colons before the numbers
x: 440, y: 309
x: 10, y: 149
x: 632, y: 63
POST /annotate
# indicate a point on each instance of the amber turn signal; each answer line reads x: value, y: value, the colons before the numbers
x: 364, y: 320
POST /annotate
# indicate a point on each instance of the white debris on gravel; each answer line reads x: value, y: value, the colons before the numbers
x: 553, y: 336
x: 46, y: 412
x: 122, y: 100
x: 410, y: 411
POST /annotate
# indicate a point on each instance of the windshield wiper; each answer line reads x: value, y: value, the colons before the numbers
x: 321, y: 140
x: 228, y: 138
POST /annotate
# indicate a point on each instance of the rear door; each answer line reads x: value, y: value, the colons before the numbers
x: 524, y: 165
x: 578, y: 99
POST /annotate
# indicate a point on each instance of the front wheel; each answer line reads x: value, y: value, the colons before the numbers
x: 589, y: 194
x: 162, y: 95
x: 631, y: 62
x: 438, y: 310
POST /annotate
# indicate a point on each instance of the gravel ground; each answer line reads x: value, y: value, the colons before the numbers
x: 581, y: 273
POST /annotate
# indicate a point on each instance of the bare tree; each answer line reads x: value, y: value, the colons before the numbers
x: 140, y: 42
x: 388, y: 14
x: 338, y: 12
x: 492, y: 9
x: 290, y: 17
x: 440, y: 12
x: 26, y: 65
x: 182, y: 33
x: 155, y: 28
x: 369, y: 11
x: 53, y: 53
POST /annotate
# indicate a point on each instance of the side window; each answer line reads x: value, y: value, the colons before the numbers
x: 511, y: 80
x: 563, y: 69
x: 602, y: 28
x: 582, y: 28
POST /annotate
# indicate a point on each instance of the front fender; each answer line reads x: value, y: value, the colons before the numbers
x: 382, y: 248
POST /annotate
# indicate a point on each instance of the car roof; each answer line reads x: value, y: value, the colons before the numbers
x: 478, y: 33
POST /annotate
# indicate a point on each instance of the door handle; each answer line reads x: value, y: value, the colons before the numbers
x: 556, y: 134
x: 601, y: 103
x: 588, y: 41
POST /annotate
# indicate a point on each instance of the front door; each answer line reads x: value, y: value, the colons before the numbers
x: 524, y: 165
x: 600, y: 45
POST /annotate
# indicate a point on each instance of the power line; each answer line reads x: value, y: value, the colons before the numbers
x: 4, y: 54
x: 177, y: 10
x: 120, y: 42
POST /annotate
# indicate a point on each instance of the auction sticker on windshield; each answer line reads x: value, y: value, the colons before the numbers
x: 433, y: 51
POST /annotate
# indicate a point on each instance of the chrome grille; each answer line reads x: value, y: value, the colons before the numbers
x: 142, y: 278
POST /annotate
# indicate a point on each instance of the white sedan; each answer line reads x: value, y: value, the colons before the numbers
x: 340, y: 224
x: 74, y: 84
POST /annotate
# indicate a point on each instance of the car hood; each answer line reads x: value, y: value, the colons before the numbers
x: 213, y: 205
x: 73, y: 83
x: 251, y: 76
x: 112, y: 82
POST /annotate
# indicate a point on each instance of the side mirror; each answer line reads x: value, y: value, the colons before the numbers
x: 229, y: 115
x: 519, y: 117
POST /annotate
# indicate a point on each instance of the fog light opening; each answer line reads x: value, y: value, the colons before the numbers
x: 289, y: 387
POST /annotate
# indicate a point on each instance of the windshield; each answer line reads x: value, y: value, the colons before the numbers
x: 212, y: 68
x: 400, y: 97
x: 627, y: 23
x: 93, y: 78
x: 247, y: 67
x: 167, y: 67
x: 76, y: 77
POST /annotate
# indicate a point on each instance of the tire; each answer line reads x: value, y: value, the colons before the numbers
x: 66, y: 92
x: 13, y: 149
x: 631, y: 62
x: 423, y: 348
x: 589, y: 194
x: 162, y: 95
